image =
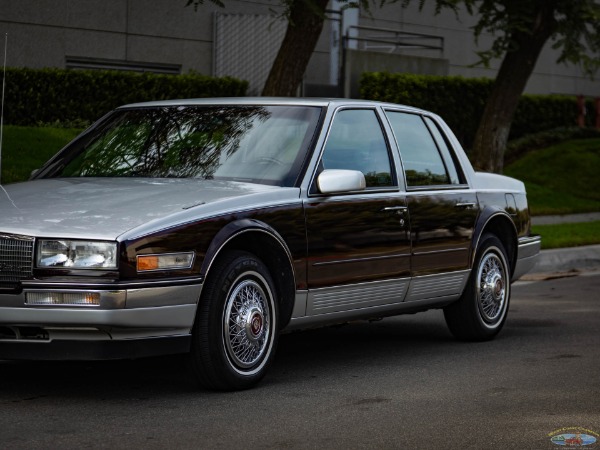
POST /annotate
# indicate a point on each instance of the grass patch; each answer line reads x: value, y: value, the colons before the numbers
x: 568, y: 234
x: 26, y: 148
x: 561, y: 179
x: 517, y: 148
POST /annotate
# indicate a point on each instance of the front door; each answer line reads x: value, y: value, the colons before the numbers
x: 358, y: 243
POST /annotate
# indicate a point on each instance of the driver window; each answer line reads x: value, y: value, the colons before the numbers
x: 356, y: 142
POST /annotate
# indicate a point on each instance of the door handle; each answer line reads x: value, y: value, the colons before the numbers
x: 396, y: 209
x: 399, y: 211
x: 466, y: 205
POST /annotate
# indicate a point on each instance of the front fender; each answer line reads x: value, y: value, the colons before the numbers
x: 266, y: 243
x: 233, y: 230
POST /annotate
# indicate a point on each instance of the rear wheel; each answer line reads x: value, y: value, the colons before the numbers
x: 481, y: 311
x: 235, y: 332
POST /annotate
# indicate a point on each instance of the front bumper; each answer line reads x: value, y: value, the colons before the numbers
x: 129, y: 322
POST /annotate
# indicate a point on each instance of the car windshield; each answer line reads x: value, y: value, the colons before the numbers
x: 259, y: 144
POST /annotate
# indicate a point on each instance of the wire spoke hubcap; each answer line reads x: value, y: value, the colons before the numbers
x: 492, y: 284
x: 247, y: 324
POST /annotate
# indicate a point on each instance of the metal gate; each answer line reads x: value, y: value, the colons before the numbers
x: 245, y: 46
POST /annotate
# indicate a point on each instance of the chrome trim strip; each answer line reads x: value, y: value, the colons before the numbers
x: 180, y: 316
x: 439, y: 285
x: 19, y: 237
x: 529, y: 245
x: 356, y: 296
x: 449, y: 250
x: 374, y: 258
x: 116, y: 285
x: 365, y: 313
x: 441, y: 187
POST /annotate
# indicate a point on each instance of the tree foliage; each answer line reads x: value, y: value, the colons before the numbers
x: 520, y: 30
x: 575, y: 26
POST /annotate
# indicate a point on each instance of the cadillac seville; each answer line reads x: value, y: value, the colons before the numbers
x: 208, y: 227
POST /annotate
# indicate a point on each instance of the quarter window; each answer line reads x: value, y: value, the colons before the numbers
x: 356, y: 142
x: 445, y: 150
x: 423, y: 164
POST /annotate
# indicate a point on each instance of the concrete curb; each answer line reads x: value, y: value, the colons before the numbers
x: 568, y: 259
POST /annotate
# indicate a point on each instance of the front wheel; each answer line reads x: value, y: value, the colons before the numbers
x: 235, y: 332
x: 481, y: 311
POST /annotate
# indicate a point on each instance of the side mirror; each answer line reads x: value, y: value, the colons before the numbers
x: 334, y: 181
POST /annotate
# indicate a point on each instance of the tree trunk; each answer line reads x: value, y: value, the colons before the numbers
x: 492, y: 135
x: 304, y: 28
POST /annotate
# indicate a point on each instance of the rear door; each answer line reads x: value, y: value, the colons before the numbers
x: 442, y: 208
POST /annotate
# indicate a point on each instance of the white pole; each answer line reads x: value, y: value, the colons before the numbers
x: 2, y: 111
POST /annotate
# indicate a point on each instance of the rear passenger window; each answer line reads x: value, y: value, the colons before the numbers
x: 455, y: 178
x: 423, y: 163
x: 356, y: 142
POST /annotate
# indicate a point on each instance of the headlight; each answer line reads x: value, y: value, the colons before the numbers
x: 77, y: 254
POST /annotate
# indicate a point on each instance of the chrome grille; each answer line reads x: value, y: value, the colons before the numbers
x: 16, y: 259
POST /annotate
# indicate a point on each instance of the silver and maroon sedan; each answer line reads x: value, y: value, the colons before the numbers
x: 210, y: 226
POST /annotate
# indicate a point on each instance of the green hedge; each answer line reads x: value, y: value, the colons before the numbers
x: 460, y: 101
x: 36, y: 96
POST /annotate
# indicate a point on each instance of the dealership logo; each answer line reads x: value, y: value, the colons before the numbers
x: 574, y: 437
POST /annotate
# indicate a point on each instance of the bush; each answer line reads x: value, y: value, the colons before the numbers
x: 36, y: 96
x: 521, y: 146
x: 460, y: 101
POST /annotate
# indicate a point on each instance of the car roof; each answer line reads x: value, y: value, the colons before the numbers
x: 266, y: 101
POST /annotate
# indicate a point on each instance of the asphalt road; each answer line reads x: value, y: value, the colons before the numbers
x: 402, y: 382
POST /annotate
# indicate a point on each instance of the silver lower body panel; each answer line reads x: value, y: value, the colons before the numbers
x: 376, y: 299
x: 527, y: 255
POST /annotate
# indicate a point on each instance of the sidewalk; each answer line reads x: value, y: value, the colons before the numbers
x: 567, y: 218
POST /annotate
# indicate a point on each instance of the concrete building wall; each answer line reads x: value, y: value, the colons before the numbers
x: 43, y: 33
x: 51, y: 33
x: 460, y: 48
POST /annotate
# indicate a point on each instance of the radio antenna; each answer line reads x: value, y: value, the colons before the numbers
x: 2, y: 110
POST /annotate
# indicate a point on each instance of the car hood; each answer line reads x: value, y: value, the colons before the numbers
x: 105, y: 208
